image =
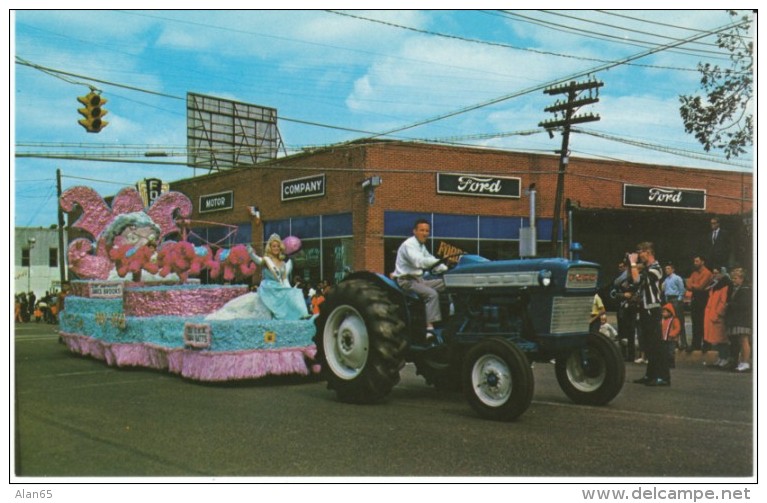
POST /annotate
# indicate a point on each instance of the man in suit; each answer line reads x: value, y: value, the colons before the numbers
x: 719, y: 242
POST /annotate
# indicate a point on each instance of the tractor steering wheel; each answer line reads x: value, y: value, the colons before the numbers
x: 443, y: 260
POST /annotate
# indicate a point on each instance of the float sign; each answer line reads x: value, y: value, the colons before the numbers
x: 301, y: 188
x: 664, y: 197
x: 105, y: 289
x: 478, y: 185
x: 217, y: 202
x: 197, y: 335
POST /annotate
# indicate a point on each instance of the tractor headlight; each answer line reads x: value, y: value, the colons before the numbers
x: 544, y: 278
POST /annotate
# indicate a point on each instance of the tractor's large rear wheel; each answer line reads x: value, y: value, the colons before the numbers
x: 497, y: 380
x: 592, y: 375
x: 360, y: 341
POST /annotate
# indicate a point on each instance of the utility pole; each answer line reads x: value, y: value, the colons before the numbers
x: 568, y: 108
x: 62, y: 268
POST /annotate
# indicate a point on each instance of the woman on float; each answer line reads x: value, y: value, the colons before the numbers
x: 284, y: 301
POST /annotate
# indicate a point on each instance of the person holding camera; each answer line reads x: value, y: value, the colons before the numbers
x: 648, y: 288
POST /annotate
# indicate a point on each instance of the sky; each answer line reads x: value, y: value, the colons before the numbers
x: 467, y: 77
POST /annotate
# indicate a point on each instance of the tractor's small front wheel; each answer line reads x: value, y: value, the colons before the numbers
x: 594, y: 374
x: 497, y: 380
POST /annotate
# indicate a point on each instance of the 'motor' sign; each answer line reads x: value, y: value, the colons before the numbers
x: 478, y: 185
x: 300, y: 188
x: 664, y: 197
x: 217, y: 202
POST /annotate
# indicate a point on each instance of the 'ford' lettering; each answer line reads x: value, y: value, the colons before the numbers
x: 479, y: 185
x: 664, y: 195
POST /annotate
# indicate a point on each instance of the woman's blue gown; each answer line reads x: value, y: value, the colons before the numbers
x: 284, y: 301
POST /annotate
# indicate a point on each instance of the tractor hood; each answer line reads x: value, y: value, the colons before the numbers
x: 474, y: 271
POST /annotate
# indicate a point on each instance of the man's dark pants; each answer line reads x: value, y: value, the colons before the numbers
x: 627, y: 329
x: 658, y: 365
x: 697, y: 313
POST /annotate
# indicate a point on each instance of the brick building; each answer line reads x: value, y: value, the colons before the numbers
x: 352, y: 205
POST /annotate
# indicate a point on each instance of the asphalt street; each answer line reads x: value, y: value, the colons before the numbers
x: 77, y: 417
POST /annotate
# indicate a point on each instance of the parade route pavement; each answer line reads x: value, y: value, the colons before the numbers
x: 76, y: 417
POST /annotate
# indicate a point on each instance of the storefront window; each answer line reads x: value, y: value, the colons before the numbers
x: 493, y: 237
x: 337, y: 258
x: 326, y: 246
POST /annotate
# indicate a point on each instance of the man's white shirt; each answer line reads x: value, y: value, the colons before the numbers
x: 413, y: 258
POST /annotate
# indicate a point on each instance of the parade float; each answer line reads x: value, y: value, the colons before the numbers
x: 138, y: 300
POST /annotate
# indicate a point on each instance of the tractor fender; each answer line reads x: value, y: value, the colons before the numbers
x: 382, y: 280
x: 402, y: 297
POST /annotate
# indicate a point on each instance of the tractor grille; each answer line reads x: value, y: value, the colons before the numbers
x: 570, y: 314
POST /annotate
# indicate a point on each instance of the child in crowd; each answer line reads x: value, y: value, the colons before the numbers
x: 607, y: 329
x: 671, y: 328
x: 318, y: 298
x: 738, y: 320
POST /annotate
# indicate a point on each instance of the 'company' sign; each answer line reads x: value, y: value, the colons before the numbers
x: 478, y: 185
x: 664, y: 197
x: 217, y: 202
x: 300, y: 188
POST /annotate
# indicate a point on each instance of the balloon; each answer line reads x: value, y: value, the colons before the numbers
x: 292, y: 245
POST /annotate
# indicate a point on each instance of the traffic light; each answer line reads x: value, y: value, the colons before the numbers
x: 93, y: 112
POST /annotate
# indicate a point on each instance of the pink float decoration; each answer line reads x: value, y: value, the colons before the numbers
x: 178, y: 302
x: 198, y: 365
x: 93, y: 262
x: 232, y: 264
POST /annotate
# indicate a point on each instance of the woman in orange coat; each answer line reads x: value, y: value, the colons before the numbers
x: 714, y: 329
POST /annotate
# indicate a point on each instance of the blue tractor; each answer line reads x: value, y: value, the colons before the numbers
x: 503, y: 316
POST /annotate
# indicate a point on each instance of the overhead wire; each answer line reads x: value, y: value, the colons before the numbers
x: 539, y: 87
x: 53, y: 71
x: 653, y: 22
x: 623, y: 28
x: 661, y: 148
x: 614, y: 38
x: 372, y: 134
x: 500, y: 44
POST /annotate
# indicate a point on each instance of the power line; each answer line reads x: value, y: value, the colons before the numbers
x: 170, y: 151
x: 500, y: 44
x: 391, y: 132
x: 622, y: 28
x: 577, y: 75
x: 51, y: 192
x: 230, y: 29
x: 661, y: 148
x: 111, y: 182
x: 602, y: 36
x: 53, y: 72
x: 658, y: 23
